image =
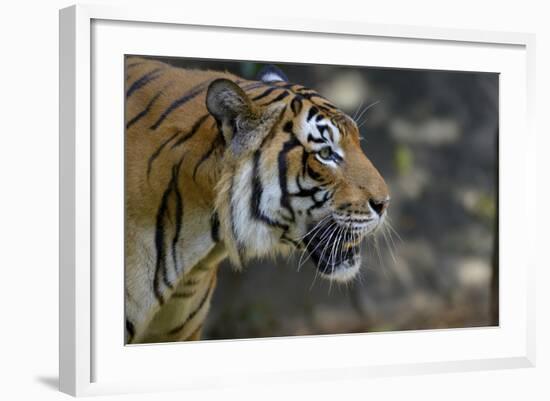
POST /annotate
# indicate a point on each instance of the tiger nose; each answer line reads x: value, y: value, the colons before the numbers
x: 379, y: 206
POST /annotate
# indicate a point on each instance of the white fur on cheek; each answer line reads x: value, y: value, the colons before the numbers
x: 259, y: 238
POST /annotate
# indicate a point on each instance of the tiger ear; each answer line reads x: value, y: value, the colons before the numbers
x: 225, y: 100
x: 243, y: 124
x: 270, y: 73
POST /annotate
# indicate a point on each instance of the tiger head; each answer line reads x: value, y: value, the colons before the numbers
x: 293, y: 175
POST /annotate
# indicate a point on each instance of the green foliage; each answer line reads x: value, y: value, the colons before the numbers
x: 403, y: 159
x: 485, y: 207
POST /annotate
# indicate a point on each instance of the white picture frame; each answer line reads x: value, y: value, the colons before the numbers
x: 88, y: 359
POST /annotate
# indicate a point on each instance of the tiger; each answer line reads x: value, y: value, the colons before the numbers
x: 221, y: 167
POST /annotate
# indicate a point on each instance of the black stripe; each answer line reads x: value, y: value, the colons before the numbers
x: 352, y: 220
x: 257, y: 191
x: 285, y: 238
x: 326, y: 106
x: 305, y: 192
x: 322, y: 128
x: 313, y: 174
x: 162, y: 214
x: 283, y: 170
x: 144, y: 80
x: 159, y: 243
x: 219, y: 128
x: 305, y: 156
x: 319, y: 204
x: 215, y: 143
x: 180, y: 102
x: 330, y: 105
x: 316, y: 176
x: 131, y: 330
x: 131, y: 65
x: 179, y: 213
x: 157, y: 152
x: 231, y: 208
x: 183, y: 294
x: 311, y: 138
x: 215, y: 227
x: 192, y: 281
x: 337, y: 158
x: 312, y: 95
x: 265, y: 93
x: 178, y: 328
x: 254, y: 85
x: 325, y: 109
x: 196, y: 125
x: 296, y: 104
x: 312, y: 112
x: 288, y: 127
x: 146, y: 110
x: 309, y: 94
x: 232, y: 218
x: 344, y: 206
x: 301, y: 93
x: 302, y: 89
x: 279, y: 97
x: 287, y: 85
x: 331, y: 134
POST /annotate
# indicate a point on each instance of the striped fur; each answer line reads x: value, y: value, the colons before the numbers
x: 218, y: 166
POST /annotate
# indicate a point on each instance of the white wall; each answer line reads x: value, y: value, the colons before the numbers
x: 28, y: 196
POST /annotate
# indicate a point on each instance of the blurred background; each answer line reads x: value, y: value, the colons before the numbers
x: 433, y: 135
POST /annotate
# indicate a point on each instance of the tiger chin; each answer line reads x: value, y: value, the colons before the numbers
x: 221, y: 167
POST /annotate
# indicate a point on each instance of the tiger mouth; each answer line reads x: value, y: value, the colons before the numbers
x: 332, y: 251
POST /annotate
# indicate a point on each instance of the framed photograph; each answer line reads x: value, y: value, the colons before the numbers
x: 341, y: 201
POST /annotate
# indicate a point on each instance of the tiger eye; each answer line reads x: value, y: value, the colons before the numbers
x: 325, y: 153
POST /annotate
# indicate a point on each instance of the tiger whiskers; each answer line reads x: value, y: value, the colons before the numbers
x: 363, y: 112
x: 356, y: 118
x: 379, y: 254
x: 321, y: 227
x: 333, y: 239
x: 302, y: 261
x: 327, y: 229
x: 364, y: 265
x: 344, y: 236
x: 318, y: 225
x: 357, y: 109
x: 389, y: 244
x: 387, y: 223
x: 332, y: 255
x: 388, y: 232
x: 327, y: 245
x: 341, y: 242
